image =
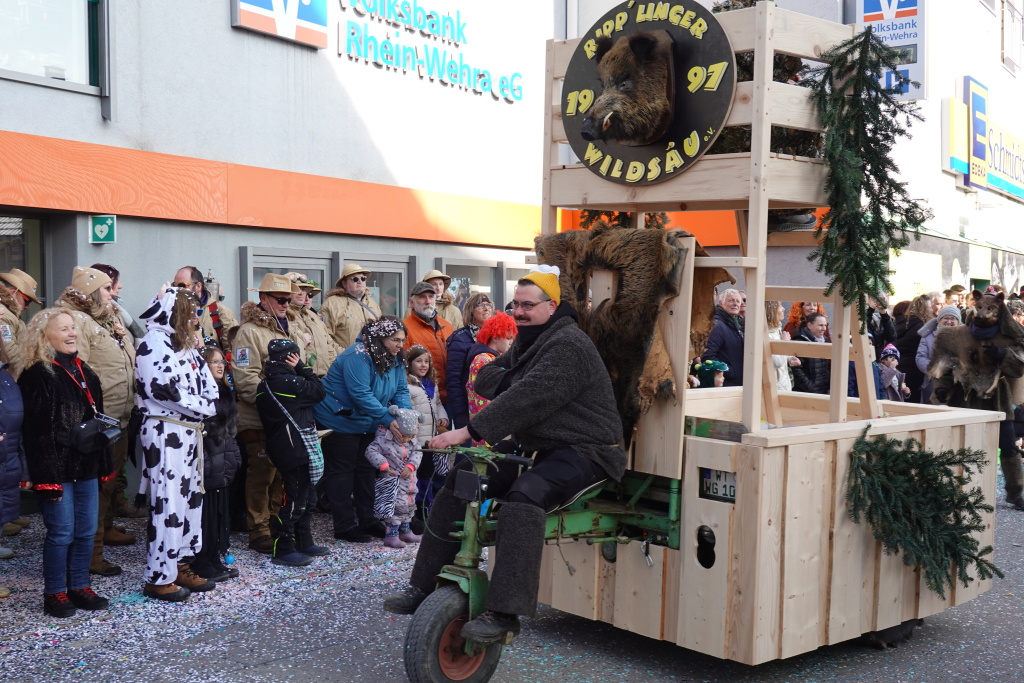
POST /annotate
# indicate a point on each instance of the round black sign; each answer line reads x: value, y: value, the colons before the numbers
x: 648, y: 90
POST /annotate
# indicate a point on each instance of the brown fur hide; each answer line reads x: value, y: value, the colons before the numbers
x: 648, y: 266
x: 956, y: 349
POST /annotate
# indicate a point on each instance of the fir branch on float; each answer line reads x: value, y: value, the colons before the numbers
x: 870, y: 212
x: 918, y: 503
x: 657, y: 220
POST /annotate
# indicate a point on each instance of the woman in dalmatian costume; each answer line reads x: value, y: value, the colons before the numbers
x: 175, y: 391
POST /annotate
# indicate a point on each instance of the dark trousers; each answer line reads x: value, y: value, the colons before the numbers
x: 216, y: 529
x: 291, y: 524
x: 348, y: 480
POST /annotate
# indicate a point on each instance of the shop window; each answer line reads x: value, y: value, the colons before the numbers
x: 317, y: 266
x: 512, y: 276
x: 470, y: 279
x: 20, y: 247
x: 55, y: 40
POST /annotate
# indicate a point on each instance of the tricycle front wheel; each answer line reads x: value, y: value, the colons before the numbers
x: 434, y: 650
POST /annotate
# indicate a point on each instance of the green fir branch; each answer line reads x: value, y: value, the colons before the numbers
x: 921, y: 504
x: 870, y: 212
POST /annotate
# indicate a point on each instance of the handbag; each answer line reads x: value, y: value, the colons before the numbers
x: 310, y: 438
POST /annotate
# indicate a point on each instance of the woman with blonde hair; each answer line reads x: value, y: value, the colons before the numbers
x: 60, y: 392
x: 773, y: 312
x: 108, y: 348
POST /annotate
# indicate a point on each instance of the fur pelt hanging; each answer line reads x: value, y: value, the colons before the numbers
x: 647, y: 266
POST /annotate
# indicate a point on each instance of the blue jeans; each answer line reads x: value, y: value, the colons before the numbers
x: 70, y: 528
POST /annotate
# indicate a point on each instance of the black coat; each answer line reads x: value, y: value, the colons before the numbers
x: 456, y: 373
x: 725, y: 344
x: 221, y: 457
x: 297, y: 389
x: 813, y: 375
x: 11, y: 475
x: 906, y: 343
x: 54, y: 403
x: 882, y: 330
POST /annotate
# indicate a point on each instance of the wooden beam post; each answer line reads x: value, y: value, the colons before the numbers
x: 840, y: 379
x: 549, y: 214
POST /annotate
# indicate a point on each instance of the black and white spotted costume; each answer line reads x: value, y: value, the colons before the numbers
x: 178, y: 386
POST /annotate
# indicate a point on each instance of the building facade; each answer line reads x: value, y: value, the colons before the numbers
x: 247, y: 136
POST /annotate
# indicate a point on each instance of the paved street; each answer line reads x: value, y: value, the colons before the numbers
x: 277, y: 624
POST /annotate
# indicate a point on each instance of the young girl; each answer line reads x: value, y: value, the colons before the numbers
x: 894, y: 381
x: 494, y: 338
x: 423, y: 393
x: 396, y: 459
x: 427, y: 400
x: 221, y: 459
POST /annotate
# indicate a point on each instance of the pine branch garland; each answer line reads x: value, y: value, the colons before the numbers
x: 918, y: 503
x: 870, y: 211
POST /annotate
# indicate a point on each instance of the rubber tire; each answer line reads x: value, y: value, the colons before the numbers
x: 423, y: 652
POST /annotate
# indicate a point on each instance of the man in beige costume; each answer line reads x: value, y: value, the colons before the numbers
x: 349, y: 306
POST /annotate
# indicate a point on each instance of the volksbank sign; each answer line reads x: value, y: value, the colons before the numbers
x: 403, y: 36
x: 984, y: 155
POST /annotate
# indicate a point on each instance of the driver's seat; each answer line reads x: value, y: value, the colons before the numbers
x: 583, y: 494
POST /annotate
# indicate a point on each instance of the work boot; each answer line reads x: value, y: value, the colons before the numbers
x: 86, y: 598
x: 23, y: 522
x: 114, y: 536
x: 405, y: 602
x: 518, y: 543
x: 262, y: 544
x: 438, y: 548
x: 101, y: 567
x: 170, y: 592
x: 58, y: 605
x: 194, y: 583
x: 6, y: 553
x: 5, y: 592
x: 11, y: 529
x: 490, y: 627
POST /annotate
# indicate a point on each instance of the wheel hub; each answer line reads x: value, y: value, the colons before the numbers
x: 451, y: 652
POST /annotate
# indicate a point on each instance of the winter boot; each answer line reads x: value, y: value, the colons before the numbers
x: 405, y: 602
x: 304, y: 544
x: 292, y: 559
x: 391, y: 539
x: 1014, y: 476
x: 438, y: 548
x: 169, y: 592
x: 406, y: 534
x: 518, y: 545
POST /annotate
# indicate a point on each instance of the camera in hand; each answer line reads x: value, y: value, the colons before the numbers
x: 92, y: 435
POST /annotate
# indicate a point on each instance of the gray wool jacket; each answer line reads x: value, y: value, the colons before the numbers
x: 558, y: 394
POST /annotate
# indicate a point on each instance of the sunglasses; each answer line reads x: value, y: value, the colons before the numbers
x: 282, y: 300
x: 358, y: 278
x: 186, y: 285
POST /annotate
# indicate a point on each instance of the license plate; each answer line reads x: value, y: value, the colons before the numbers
x: 717, y: 485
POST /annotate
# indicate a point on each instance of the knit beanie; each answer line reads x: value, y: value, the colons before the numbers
x: 546, y: 277
x: 951, y: 311
x: 891, y: 350
x: 279, y: 349
x: 88, y: 280
x: 408, y: 420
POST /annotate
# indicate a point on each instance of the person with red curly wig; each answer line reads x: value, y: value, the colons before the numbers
x: 798, y: 313
x: 494, y: 338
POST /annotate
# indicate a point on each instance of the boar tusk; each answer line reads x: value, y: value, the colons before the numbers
x: 607, y: 121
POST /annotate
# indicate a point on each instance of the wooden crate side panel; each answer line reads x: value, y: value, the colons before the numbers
x: 937, y: 440
x: 982, y: 437
x: 638, y: 598
x: 852, y: 543
x: 659, y: 447
x: 805, y: 36
x: 546, y: 572
x: 754, y: 611
x: 704, y: 592
x: 805, y: 548
x: 576, y: 591
x: 670, y: 590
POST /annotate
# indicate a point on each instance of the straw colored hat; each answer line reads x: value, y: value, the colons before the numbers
x: 304, y: 282
x: 273, y: 283
x: 351, y: 269
x: 21, y: 281
x: 88, y: 280
x: 437, y: 273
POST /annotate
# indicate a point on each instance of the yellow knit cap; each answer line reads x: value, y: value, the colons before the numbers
x: 546, y: 277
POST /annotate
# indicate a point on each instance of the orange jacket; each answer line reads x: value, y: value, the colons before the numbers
x: 423, y: 333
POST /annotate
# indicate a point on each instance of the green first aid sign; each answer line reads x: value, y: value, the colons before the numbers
x: 102, y: 229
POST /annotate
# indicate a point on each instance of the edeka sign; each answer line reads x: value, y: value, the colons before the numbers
x: 394, y: 34
x: 300, y: 21
x: 984, y: 155
x: 900, y: 25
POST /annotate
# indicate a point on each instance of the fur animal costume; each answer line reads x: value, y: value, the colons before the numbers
x: 174, y: 391
x: 647, y: 265
x: 985, y: 357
